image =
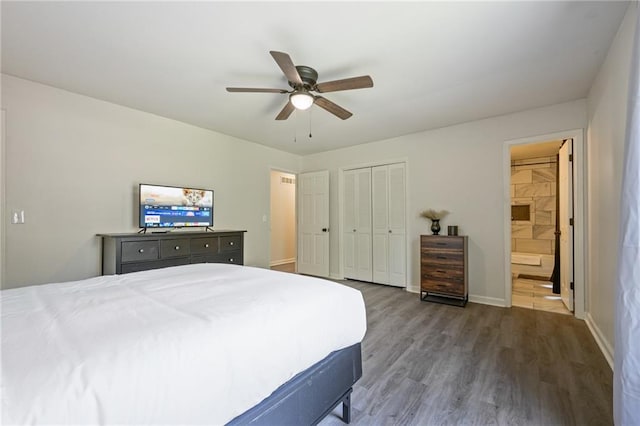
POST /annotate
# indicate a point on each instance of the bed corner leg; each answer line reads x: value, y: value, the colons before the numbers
x: 346, y: 408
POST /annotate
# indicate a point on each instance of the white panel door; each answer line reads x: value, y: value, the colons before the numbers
x: 349, y: 225
x: 397, y: 225
x: 380, y: 203
x: 313, y: 226
x: 363, y: 225
x: 565, y: 202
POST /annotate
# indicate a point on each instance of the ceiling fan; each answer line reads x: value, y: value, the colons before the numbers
x: 303, y: 81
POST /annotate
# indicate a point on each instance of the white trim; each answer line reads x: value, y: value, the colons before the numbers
x: 282, y: 262
x: 3, y: 193
x: 605, y: 347
x: 580, y: 220
x: 492, y: 301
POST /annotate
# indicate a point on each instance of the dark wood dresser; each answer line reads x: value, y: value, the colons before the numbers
x: 123, y: 253
x: 444, y: 269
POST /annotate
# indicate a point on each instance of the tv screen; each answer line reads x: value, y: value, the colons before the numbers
x: 175, y: 207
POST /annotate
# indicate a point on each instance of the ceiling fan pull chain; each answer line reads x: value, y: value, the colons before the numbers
x: 310, y: 136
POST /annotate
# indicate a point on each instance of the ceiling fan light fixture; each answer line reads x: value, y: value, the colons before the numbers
x: 301, y: 100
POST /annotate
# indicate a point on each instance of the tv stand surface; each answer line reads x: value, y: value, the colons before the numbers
x: 133, y: 252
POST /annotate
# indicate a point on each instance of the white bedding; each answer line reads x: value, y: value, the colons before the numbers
x: 184, y: 345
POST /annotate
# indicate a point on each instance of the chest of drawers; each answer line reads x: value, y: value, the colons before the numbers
x: 124, y: 253
x: 444, y: 269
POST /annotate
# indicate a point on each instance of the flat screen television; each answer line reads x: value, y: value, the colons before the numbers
x: 175, y: 207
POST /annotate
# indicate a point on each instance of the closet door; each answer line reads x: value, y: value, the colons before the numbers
x: 357, y: 224
x: 397, y: 225
x: 349, y: 224
x: 389, y: 239
x: 380, y: 203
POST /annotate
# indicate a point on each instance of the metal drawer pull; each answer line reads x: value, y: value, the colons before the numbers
x: 231, y: 243
x: 206, y: 246
x: 442, y: 272
x: 441, y: 244
x: 231, y: 260
x: 441, y: 257
x: 177, y: 247
x: 141, y: 251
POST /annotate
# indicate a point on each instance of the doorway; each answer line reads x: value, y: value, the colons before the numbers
x: 283, y: 221
x: 532, y: 212
x: 537, y: 205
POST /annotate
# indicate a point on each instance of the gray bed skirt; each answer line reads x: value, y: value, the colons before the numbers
x: 310, y: 395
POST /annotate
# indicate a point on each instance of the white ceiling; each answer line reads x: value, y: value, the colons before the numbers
x: 433, y: 64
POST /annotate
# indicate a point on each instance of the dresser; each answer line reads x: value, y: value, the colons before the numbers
x: 444, y: 269
x: 124, y: 253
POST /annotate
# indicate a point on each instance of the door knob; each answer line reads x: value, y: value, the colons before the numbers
x: 325, y: 229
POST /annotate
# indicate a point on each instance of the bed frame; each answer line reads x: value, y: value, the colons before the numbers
x: 310, y: 395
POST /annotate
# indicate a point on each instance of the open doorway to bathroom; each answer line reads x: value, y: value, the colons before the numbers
x: 283, y: 221
x: 538, y: 208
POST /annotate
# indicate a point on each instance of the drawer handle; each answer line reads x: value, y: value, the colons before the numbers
x: 141, y: 251
x: 177, y: 248
x: 442, y: 272
x: 231, y: 260
x: 441, y: 257
x: 441, y: 244
x: 206, y: 246
x: 231, y: 243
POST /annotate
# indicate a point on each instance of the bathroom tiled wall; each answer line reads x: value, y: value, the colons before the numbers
x: 533, y: 182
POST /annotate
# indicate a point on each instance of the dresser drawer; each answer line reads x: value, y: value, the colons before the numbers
x: 454, y: 287
x: 230, y: 243
x: 136, y: 251
x: 453, y: 259
x: 442, y: 273
x: 145, y: 266
x: 175, y: 248
x: 234, y: 257
x: 441, y: 243
x: 204, y: 245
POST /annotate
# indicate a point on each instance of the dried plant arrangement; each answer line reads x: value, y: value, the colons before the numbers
x: 432, y: 214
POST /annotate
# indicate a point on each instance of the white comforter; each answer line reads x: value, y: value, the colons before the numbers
x: 185, y: 345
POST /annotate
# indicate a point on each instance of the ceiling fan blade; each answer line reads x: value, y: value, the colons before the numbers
x: 254, y: 90
x: 286, y: 111
x: 345, y: 84
x: 286, y: 65
x: 333, y: 108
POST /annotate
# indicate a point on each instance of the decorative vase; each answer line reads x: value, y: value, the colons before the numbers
x: 435, y: 226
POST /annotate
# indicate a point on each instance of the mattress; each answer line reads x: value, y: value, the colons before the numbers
x: 195, y: 344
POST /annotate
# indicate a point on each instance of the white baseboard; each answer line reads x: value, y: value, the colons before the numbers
x: 282, y: 262
x: 492, y: 301
x: 604, y: 346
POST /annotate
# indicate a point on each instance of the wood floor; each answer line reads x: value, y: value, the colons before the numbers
x: 433, y: 364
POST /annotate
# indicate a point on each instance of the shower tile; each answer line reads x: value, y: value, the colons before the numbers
x: 544, y: 232
x: 545, y: 203
x: 534, y: 246
x: 543, y: 217
x: 521, y: 231
x: 521, y: 176
x: 543, y: 175
x: 542, y: 189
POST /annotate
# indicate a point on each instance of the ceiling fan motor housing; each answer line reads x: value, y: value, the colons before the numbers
x: 308, y: 75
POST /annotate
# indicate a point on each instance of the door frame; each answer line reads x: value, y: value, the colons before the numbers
x: 295, y: 210
x: 341, y: 171
x: 3, y: 192
x: 579, y: 213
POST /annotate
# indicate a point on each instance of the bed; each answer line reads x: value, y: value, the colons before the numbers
x: 194, y: 344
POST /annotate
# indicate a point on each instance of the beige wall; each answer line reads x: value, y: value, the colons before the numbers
x: 73, y: 163
x: 283, y: 217
x: 533, y: 183
x: 439, y: 163
x: 607, y: 112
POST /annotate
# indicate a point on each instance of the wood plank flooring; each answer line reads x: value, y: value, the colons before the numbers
x: 433, y: 364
